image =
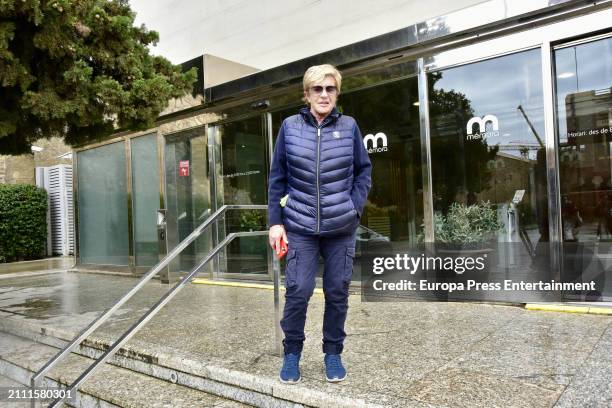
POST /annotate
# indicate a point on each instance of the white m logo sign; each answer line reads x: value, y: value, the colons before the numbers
x: 482, y: 122
x: 374, y: 139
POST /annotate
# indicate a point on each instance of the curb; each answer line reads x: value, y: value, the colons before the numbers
x: 605, y: 311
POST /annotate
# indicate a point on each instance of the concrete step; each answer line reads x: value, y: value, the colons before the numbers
x: 207, y: 376
x: 111, y: 386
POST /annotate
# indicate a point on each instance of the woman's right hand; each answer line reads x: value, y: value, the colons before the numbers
x: 274, y: 236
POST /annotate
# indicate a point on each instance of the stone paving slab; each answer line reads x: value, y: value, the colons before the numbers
x: 590, y: 387
x: 397, y: 354
x: 537, y: 349
x: 460, y: 388
x: 603, y: 349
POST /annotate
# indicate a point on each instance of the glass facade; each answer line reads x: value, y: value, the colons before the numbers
x: 103, y: 205
x: 389, y: 123
x: 487, y: 148
x: 145, y: 198
x: 486, y: 135
x: 188, y: 194
x: 242, y: 178
x: 483, y: 142
x: 583, y: 79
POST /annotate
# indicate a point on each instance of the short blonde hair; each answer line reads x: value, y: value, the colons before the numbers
x: 317, y: 73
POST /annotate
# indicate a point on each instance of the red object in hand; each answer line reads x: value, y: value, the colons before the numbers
x: 283, y: 248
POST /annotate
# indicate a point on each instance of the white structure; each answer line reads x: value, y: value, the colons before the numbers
x: 57, y: 180
x: 268, y: 33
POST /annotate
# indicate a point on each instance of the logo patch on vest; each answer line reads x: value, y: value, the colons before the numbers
x: 336, y: 134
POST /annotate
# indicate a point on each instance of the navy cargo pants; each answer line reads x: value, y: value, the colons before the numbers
x: 301, y: 269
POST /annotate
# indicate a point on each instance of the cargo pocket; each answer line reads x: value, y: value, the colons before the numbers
x: 348, y: 264
x: 291, y: 268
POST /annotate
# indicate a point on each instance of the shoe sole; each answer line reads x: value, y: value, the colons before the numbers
x: 334, y: 379
x: 290, y: 381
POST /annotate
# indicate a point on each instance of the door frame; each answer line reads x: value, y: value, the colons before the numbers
x: 216, y: 164
x: 545, y: 38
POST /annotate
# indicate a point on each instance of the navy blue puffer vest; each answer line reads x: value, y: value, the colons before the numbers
x: 319, y: 174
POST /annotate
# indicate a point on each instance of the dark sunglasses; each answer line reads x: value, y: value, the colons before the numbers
x: 318, y: 89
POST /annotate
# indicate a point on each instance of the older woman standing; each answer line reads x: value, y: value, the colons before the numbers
x: 318, y: 184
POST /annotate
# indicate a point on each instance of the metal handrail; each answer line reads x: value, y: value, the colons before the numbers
x: 71, y: 390
x: 145, y: 278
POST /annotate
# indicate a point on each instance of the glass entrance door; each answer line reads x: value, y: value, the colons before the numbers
x: 188, y: 193
x: 241, y: 177
x: 583, y: 84
x: 145, y: 198
x: 488, y: 162
x: 103, y: 213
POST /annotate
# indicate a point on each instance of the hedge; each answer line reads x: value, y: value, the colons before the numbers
x: 23, y: 222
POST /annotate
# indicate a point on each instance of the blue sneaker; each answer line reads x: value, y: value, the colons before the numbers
x: 334, y: 370
x: 290, y: 373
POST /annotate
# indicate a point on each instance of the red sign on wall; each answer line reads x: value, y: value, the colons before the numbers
x: 184, y: 168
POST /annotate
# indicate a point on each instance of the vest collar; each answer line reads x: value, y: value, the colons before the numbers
x: 309, y: 117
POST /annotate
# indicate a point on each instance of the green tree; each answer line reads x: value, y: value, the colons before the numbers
x: 78, y: 69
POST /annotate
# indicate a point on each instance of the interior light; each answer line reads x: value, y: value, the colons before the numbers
x: 564, y: 75
x: 416, y: 103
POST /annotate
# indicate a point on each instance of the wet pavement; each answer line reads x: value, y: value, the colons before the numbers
x: 41, y: 265
x: 397, y: 354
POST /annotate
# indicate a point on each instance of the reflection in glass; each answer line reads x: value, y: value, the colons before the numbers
x: 145, y: 199
x: 242, y: 179
x: 242, y: 172
x: 388, y: 117
x: 487, y: 133
x: 583, y: 78
x: 103, y: 212
x: 487, y: 145
x: 378, y: 76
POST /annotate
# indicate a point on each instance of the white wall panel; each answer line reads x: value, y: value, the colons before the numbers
x: 269, y: 33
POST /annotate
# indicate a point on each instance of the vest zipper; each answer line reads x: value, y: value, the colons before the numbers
x: 319, y: 126
x: 318, y: 193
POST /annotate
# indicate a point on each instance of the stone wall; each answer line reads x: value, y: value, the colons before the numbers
x: 18, y: 169
x: 52, y: 149
x: 21, y: 169
x: 2, y: 170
